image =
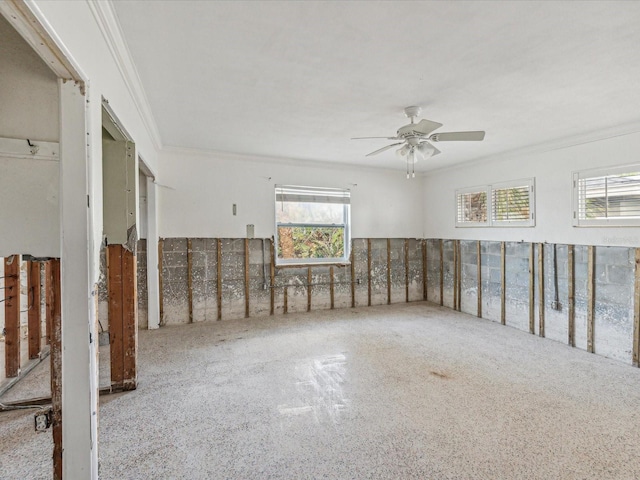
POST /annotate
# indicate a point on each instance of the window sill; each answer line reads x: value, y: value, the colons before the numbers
x: 313, y: 264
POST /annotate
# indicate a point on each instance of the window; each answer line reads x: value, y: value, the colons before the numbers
x: 607, y: 197
x: 312, y: 224
x: 472, y: 207
x: 511, y: 204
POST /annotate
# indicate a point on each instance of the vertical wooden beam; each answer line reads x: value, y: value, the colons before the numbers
x: 479, y: 275
x: 48, y: 299
x: 34, y: 323
x: 309, y: 279
x: 368, y: 271
x: 424, y: 270
x: 459, y: 273
x: 55, y: 357
x: 353, y: 277
x: 12, y: 315
x: 406, y: 270
x: 161, y: 278
x: 455, y: 274
x: 331, y: 286
x: 190, y: 278
x: 219, y: 277
x: 272, y: 278
x: 286, y: 300
x: 532, y: 280
x: 441, y: 272
x: 129, y: 320
x: 541, y: 289
x: 388, y: 271
x: 246, y: 277
x: 503, y: 283
x: 591, y: 297
x: 116, y: 311
x: 636, y: 310
x: 571, y: 280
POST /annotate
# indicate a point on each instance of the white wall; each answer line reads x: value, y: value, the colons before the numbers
x: 200, y: 190
x: 553, y: 175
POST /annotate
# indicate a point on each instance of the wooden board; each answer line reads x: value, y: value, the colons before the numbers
x: 406, y: 270
x: 285, y: 308
x: 48, y: 299
x: 368, y: 271
x: 272, y: 278
x: 190, y: 278
x: 353, y: 277
x: 129, y: 320
x: 34, y: 323
x: 388, y: 271
x: 503, y: 283
x: 441, y: 272
x: 459, y: 275
x: 479, y: 275
x: 219, y: 277
x: 116, y: 312
x: 541, y: 289
x: 246, y: 277
x: 532, y: 280
x: 55, y: 357
x: 309, y: 280
x: 636, y: 310
x: 160, y: 279
x: 425, y: 283
x: 591, y: 297
x: 12, y: 315
x: 572, y: 295
x: 331, y: 287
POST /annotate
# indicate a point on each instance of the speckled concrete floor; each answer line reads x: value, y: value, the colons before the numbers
x: 391, y: 392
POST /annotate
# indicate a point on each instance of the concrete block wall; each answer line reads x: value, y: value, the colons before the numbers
x: 491, y: 280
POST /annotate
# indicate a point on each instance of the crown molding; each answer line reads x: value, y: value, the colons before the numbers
x: 109, y: 25
x: 550, y: 146
x: 196, y: 152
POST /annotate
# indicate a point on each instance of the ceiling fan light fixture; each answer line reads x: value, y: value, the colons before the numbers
x: 426, y: 149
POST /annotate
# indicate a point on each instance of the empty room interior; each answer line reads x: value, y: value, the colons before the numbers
x: 318, y: 239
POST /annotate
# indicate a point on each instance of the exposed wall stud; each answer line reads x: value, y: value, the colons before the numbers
x: 219, y: 277
x: 353, y: 276
x: 190, y: 278
x: 388, y: 271
x: 591, y: 297
x: 286, y: 300
x: 541, y: 289
x: 455, y: 274
x: 160, y: 278
x: 48, y: 299
x: 441, y: 272
x: 309, y: 280
x: 246, y: 277
x: 479, y: 275
x: 636, y: 310
x: 331, y: 286
x: 272, y: 278
x: 12, y: 315
x: 532, y: 280
x: 55, y: 357
x: 34, y: 321
x: 572, y: 296
x: 424, y: 270
x: 459, y: 275
x: 406, y: 269
x: 130, y: 320
x: 503, y: 283
x: 368, y: 271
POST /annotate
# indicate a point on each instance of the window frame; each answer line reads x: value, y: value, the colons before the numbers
x: 346, y: 225
x: 471, y: 190
x: 598, y: 173
x: 491, y: 221
x: 526, y: 182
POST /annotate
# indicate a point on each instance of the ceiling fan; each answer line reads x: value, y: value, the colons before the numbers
x: 415, y: 138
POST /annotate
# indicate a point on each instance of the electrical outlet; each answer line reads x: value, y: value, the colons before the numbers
x: 556, y: 306
x: 103, y: 339
x: 42, y: 420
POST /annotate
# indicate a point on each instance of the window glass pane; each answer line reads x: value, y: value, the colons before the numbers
x: 314, y: 213
x: 511, y: 204
x: 609, y: 196
x: 310, y: 242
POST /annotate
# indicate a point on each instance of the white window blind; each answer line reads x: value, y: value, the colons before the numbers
x: 511, y: 204
x: 611, y: 199
x: 471, y: 207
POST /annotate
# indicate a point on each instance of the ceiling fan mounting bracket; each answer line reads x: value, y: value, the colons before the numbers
x: 412, y: 112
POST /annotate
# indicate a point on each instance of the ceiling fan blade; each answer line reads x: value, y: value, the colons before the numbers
x: 380, y: 150
x: 426, y: 126
x: 366, y: 138
x: 457, y: 136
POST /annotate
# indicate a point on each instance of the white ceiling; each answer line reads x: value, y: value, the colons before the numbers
x: 297, y: 79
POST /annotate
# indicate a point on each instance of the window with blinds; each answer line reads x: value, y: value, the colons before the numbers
x: 471, y: 206
x: 312, y: 224
x: 610, y: 197
x: 511, y: 203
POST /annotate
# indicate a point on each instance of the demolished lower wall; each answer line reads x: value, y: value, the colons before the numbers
x: 209, y: 279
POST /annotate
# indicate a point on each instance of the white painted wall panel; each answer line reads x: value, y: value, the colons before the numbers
x: 553, y: 174
x: 201, y: 189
